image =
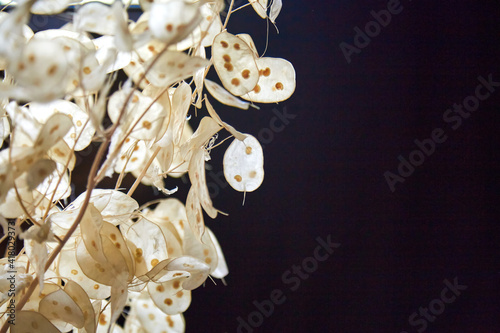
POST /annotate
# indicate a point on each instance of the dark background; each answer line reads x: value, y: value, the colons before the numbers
x: 325, y: 176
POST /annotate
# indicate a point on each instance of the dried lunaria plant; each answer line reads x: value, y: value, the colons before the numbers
x: 83, y: 262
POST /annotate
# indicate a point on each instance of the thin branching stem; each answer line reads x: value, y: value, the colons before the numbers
x: 91, y: 183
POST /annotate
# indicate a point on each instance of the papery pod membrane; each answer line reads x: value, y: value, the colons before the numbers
x: 4, y: 125
x: 76, y: 48
x: 68, y: 268
x: 44, y: 205
x: 195, y: 214
x: 62, y: 154
x: 92, y: 73
x: 164, y: 159
x: 154, y: 174
x: 114, y: 235
x: 106, y: 50
x: 90, y: 227
x: 169, y: 296
x: 33, y: 302
x: 119, y: 259
x: 174, y: 20
x: 102, y: 272
x: 221, y: 270
x: 24, y: 125
x: 119, y: 294
x: 56, y: 186
x: 204, y: 33
x: 33, y: 322
x: 171, y: 210
x: 276, y: 82
x: 181, y: 101
x: 191, y: 270
x: 140, y: 111
x: 172, y: 236
x: 275, y: 10
x: 10, y: 207
x: 132, y: 323
x: 104, y: 320
x: 141, y: 268
x: 211, y: 24
x: 84, y: 73
x: 62, y: 310
x: 198, y: 181
x: 132, y: 156
x: 162, y: 96
x: 6, y: 179
x: 96, y: 17
x: 173, y: 66
x: 150, y: 50
x: 37, y: 254
x: 76, y: 292
x: 135, y: 70
x: 235, y: 64
x: 68, y: 39
x: 38, y: 171
x: 224, y: 96
x: 203, y: 251
x: 174, y: 240
x: 95, y: 270
x: 206, y: 130
x: 114, y: 206
x: 151, y: 317
x: 124, y: 40
x: 13, y: 32
x: 237, y: 134
x: 41, y: 71
x: 179, y: 165
x: 62, y: 221
x: 118, y: 139
x: 198, y: 77
x: 52, y: 131
x: 198, y: 271
x: 260, y: 7
x: 160, y: 273
x: 244, y: 164
x: 249, y: 40
x: 49, y: 7
x: 150, y: 243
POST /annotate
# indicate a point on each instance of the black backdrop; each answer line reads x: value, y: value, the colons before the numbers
x: 395, y: 252
x: 325, y: 176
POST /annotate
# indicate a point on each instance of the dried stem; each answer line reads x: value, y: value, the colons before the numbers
x: 143, y: 173
x: 91, y: 183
